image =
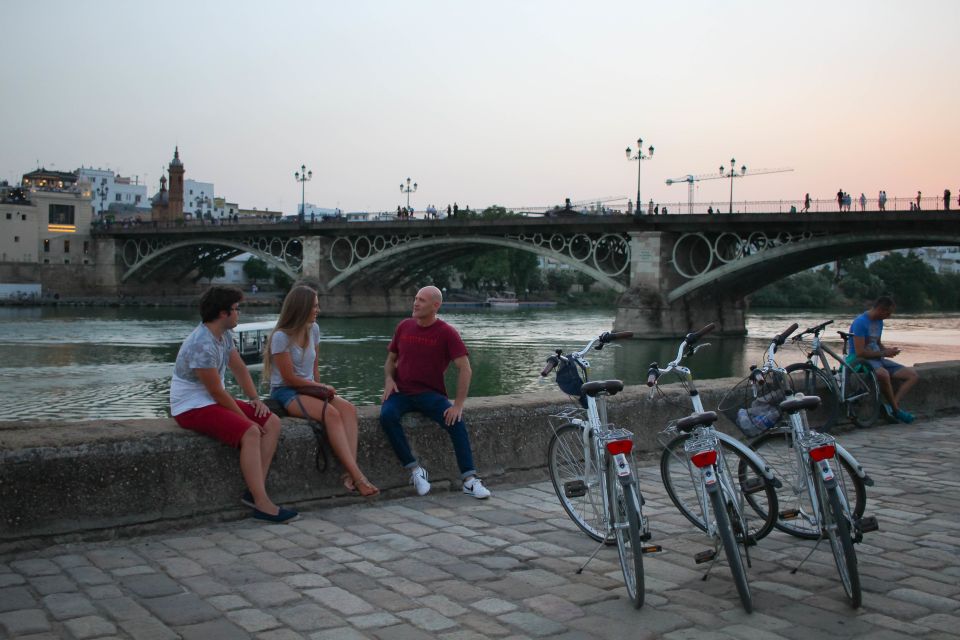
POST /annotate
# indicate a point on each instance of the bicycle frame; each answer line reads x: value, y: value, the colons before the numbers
x: 817, y: 356
x: 712, y: 476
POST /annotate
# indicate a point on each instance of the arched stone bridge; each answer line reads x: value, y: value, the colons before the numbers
x: 673, y: 272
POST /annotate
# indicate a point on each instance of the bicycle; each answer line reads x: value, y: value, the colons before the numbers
x: 832, y: 515
x: 852, y: 384
x: 592, y: 467
x: 770, y: 385
x: 697, y: 466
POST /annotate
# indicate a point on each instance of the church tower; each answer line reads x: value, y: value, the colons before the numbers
x: 175, y: 212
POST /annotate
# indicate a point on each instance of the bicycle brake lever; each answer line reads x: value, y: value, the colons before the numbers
x: 698, y: 347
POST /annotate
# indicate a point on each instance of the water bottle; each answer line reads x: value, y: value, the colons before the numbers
x: 766, y: 418
x: 744, y: 422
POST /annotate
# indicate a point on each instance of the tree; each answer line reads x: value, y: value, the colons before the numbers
x: 210, y: 269
x: 912, y: 282
x: 559, y: 280
x: 584, y: 280
x: 256, y: 269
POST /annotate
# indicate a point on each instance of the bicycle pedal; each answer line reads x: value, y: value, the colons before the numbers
x: 868, y: 481
x: 705, y: 556
x: 651, y: 548
x: 575, y: 489
x: 752, y: 485
x: 789, y: 514
x: 645, y: 536
x: 868, y: 524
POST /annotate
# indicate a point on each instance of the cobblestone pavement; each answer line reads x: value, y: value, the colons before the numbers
x: 448, y: 566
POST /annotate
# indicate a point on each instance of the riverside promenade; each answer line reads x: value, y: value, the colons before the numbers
x: 448, y: 566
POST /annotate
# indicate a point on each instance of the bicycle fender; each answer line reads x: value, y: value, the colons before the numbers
x: 856, y: 466
x: 754, y: 457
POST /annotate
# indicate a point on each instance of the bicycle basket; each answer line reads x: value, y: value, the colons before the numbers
x: 569, y: 380
x: 754, y: 409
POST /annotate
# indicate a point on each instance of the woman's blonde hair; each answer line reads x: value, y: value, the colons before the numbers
x: 296, y: 316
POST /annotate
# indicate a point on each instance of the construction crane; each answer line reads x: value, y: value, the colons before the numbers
x: 690, y: 179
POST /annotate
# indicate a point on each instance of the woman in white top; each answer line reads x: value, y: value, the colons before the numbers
x: 291, y: 360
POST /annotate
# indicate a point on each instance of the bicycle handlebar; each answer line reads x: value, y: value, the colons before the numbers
x: 692, y: 338
x: 781, y: 338
x: 815, y: 330
x: 606, y: 336
x: 552, y: 362
x: 652, y: 374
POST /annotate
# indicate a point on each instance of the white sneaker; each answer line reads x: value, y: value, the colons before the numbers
x: 475, y: 488
x: 418, y: 478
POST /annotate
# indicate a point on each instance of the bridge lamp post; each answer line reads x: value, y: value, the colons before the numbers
x: 102, y: 191
x: 639, y: 157
x: 303, y: 176
x: 733, y: 174
x: 407, y: 190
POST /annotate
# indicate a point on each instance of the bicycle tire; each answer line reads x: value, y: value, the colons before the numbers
x: 625, y: 503
x: 841, y: 543
x: 682, y: 483
x: 776, y: 448
x: 730, y: 547
x: 811, y: 381
x: 864, y: 411
x: 566, y: 465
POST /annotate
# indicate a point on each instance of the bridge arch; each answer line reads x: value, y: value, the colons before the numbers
x: 137, y: 254
x: 594, y: 257
x: 751, y: 272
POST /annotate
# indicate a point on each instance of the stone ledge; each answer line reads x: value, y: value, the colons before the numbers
x: 67, y: 481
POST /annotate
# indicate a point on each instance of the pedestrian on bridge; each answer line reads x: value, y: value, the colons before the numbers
x: 422, y: 348
x: 863, y: 202
x: 882, y: 200
x: 946, y: 199
x: 806, y: 203
x: 918, y: 201
x: 840, y: 199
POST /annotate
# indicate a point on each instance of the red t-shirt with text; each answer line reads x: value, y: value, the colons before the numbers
x: 423, y: 355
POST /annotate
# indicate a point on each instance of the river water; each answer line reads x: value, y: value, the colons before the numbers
x: 115, y: 363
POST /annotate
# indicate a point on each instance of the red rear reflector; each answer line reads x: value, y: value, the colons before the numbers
x: 704, y: 458
x: 620, y: 446
x: 823, y: 453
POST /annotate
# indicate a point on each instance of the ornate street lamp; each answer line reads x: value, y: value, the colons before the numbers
x: 408, y: 191
x: 302, y: 177
x: 639, y: 157
x: 102, y: 191
x: 733, y: 174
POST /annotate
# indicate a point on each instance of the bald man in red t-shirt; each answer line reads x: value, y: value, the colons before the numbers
x: 422, y: 348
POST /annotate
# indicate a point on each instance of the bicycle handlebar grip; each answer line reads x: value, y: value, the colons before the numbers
x: 780, y: 339
x: 693, y: 337
x: 552, y: 362
x: 621, y: 335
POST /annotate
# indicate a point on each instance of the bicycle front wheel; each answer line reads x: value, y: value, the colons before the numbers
x: 730, y: 547
x: 681, y: 479
x: 838, y: 531
x: 863, y: 398
x: 797, y: 515
x: 810, y: 381
x: 626, y: 507
x: 580, y: 493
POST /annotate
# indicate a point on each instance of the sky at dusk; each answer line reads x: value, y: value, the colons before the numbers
x: 515, y: 103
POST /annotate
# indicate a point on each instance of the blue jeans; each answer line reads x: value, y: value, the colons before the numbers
x: 432, y: 405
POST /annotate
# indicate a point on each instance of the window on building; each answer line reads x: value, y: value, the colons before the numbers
x: 16, y: 238
x: 66, y: 261
x: 61, y: 214
x: 119, y: 197
x: 23, y: 217
x: 46, y: 246
x: 9, y: 216
x: 46, y: 261
x: 66, y: 246
x: 191, y: 191
x: 86, y: 247
x: 137, y: 199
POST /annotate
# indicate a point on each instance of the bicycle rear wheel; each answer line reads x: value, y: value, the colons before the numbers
x: 793, y: 496
x: 837, y: 525
x: 811, y: 381
x: 626, y: 506
x: 681, y: 480
x: 730, y: 547
x: 580, y: 495
x: 862, y: 397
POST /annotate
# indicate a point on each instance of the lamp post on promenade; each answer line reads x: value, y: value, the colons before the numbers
x: 639, y: 157
x: 733, y: 174
x: 102, y: 191
x: 408, y: 191
x: 302, y: 177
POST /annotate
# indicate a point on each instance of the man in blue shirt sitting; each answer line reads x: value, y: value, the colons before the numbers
x: 865, y: 344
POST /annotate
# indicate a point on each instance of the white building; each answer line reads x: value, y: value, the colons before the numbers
x: 107, y: 188
x: 198, y: 198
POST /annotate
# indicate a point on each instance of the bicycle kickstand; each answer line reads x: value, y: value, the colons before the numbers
x: 592, y: 556
x: 797, y: 568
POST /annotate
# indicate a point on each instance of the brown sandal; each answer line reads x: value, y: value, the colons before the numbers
x: 366, y: 489
x: 348, y: 483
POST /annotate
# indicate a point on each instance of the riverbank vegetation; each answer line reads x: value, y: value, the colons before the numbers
x: 911, y: 281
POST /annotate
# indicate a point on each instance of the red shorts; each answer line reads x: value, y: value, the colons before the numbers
x: 219, y: 422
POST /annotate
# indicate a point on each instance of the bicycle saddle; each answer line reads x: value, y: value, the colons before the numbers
x: 844, y: 335
x: 792, y: 405
x: 696, y: 419
x: 611, y: 387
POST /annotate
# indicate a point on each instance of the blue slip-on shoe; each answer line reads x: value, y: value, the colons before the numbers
x: 888, y: 410
x: 247, y: 500
x: 905, y: 416
x: 284, y: 515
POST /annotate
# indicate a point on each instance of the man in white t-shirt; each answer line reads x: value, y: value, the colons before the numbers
x: 200, y: 402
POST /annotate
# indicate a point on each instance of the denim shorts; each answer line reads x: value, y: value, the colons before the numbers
x: 283, y: 395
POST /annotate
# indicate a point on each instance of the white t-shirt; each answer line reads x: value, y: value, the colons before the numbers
x: 201, y: 350
x: 303, y: 359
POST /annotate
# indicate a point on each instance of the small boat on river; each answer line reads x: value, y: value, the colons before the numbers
x: 251, y: 337
x: 507, y: 301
